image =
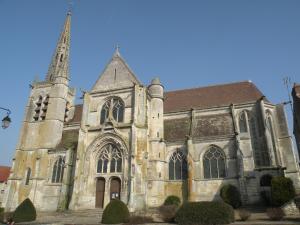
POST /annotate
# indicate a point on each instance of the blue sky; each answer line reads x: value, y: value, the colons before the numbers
x: 185, y: 43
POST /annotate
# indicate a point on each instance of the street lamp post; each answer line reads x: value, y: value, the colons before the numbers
x: 6, y: 120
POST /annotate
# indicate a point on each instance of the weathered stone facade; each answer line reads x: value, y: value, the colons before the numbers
x: 141, y: 144
x: 4, y: 174
x: 296, y: 114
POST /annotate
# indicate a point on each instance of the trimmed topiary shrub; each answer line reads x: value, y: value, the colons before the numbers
x: 172, y: 200
x: 25, y: 212
x: 204, y: 213
x: 282, y: 190
x: 115, y: 212
x: 168, y: 212
x: 1, y: 214
x: 231, y: 195
x: 275, y: 213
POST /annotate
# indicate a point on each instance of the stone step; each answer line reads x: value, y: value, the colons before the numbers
x: 83, y: 213
x: 94, y: 216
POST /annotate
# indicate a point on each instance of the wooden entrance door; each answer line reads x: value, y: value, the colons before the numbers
x: 115, y: 188
x: 100, y: 189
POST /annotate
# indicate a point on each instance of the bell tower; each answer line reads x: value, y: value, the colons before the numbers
x: 42, y: 127
x: 46, y: 109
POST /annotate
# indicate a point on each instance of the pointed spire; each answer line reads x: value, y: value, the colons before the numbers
x: 59, y: 66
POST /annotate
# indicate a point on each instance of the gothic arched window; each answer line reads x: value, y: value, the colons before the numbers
x: 214, y: 163
x: 261, y: 154
x: 113, y: 107
x: 105, y: 112
x: 177, y: 166
x: 58, y: 170
x: 271, y: 129
x: 28, y: 175
x: 118, y: 110
x: 110, y: 160
x: 243, y: 122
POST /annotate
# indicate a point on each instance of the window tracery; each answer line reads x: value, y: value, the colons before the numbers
x: 58, y: 170
x: 113, y: 107
x: 178, y: 166
x: 110, y: 160
x: 214, y: 163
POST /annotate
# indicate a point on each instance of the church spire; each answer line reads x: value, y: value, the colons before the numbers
x: 59, y: 67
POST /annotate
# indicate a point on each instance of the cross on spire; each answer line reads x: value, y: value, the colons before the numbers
x: 117, y: 52
x: 70, y: 6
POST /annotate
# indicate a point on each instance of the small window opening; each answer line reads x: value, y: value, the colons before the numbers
x: 61, y: 58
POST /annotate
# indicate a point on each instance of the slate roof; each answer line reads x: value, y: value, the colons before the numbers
x: 202, y: 97
x: 4, y: 173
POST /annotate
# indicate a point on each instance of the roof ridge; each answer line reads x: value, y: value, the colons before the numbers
x: 212, y: 85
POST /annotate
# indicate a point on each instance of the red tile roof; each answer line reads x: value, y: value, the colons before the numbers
x: 4, y: 173
x: 211, y: 96
x: 202, y: 97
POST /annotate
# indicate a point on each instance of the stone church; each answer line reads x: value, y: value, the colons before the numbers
x: 140, y: 144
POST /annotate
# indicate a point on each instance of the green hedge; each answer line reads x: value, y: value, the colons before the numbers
x: 25, y: 212
x: 172, y: 200
x: 231, y: 195
x: 204, y: 213
x: 282, y: 190
x: 115, y: 212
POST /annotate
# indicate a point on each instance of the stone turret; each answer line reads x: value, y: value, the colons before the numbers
x: 156, y: 91
x: 156, y: 144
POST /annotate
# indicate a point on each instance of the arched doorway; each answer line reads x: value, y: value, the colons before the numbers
x: 115, y: 188
x: 100, y: 189
x: 265, y: 188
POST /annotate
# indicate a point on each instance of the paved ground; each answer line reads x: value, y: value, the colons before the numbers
x: 94, y: 217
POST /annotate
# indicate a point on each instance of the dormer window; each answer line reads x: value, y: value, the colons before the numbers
x: 113, y: 108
